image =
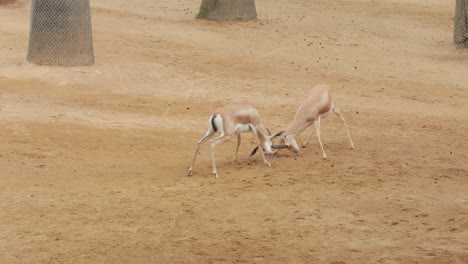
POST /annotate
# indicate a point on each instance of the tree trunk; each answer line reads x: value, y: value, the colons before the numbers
x: 227, y: 9
x: 6, y: 2
x: 461, y: 23
x: 61, y: 33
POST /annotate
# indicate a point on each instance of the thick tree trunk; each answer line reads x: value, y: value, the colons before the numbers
x: 461, y: 23
x: 227, y: 9
x: 61, y: 33
x: 6, y: 2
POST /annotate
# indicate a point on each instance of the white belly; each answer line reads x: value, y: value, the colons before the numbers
x: 241, y: 128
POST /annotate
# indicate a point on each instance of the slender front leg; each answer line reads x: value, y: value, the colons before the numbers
x: 306, y: 143
x: 254, y: 131
x: 337, y: 112
x: 237, y: 148
x: 208, y: 134
x: 317, y: 128
x: 214, y: 142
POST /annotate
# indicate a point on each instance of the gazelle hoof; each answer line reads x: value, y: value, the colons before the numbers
x: 268, y: 164
x: 190, y: 173
x: 325, y: 158
x: 215, y: 174
x: 235, y: 162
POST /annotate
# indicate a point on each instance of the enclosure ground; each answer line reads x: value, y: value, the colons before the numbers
x: 94, y: 159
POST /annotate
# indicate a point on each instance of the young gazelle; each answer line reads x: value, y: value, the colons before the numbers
x: 319, y: 104
x: 233, y: 120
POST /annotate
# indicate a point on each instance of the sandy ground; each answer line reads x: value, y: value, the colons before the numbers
x: 94, y: 159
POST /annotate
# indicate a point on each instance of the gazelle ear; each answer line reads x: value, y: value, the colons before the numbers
x: 254, y: 151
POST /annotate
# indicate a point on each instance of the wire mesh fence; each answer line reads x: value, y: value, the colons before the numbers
x: 461, y: 23
x: 227, y: 9
x: 61, y: 33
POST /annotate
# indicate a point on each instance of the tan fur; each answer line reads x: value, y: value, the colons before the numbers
x: 235, y: 114
x: 320, y: 101
x: 232, y: 117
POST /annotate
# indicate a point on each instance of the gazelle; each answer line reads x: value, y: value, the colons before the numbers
x: 233, y: 120
x: 319, y: 104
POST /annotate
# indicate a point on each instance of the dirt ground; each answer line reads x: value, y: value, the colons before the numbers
x: 94, y: 159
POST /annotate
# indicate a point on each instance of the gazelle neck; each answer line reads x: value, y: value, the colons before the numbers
x: 295, y: 128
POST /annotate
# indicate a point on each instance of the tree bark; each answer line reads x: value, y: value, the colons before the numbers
x: 227, y: 9
x: 6, y: 2
x: 461, y: 23
x: 61, y: 33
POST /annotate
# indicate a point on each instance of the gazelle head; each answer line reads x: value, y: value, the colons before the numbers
x: 289, y: 142
x: 266, y: 144
x: 285, y: 142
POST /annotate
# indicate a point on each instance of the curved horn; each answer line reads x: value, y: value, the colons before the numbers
x: 276, y: 146
x: 254, y: 151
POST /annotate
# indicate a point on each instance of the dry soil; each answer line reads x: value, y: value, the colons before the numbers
x: 93, y: 160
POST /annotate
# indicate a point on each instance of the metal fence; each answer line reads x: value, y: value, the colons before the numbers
x: 227, y: 9
x: 461, y: 23
x: 61, y: 33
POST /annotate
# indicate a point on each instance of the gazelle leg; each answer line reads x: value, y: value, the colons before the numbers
x: 308, y: 139
x: 337, y: 112
x: 237, y: 148
x: 254, y: 132
x: 214, y: 142
x: 208, y: 134
x: 317, y: 128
